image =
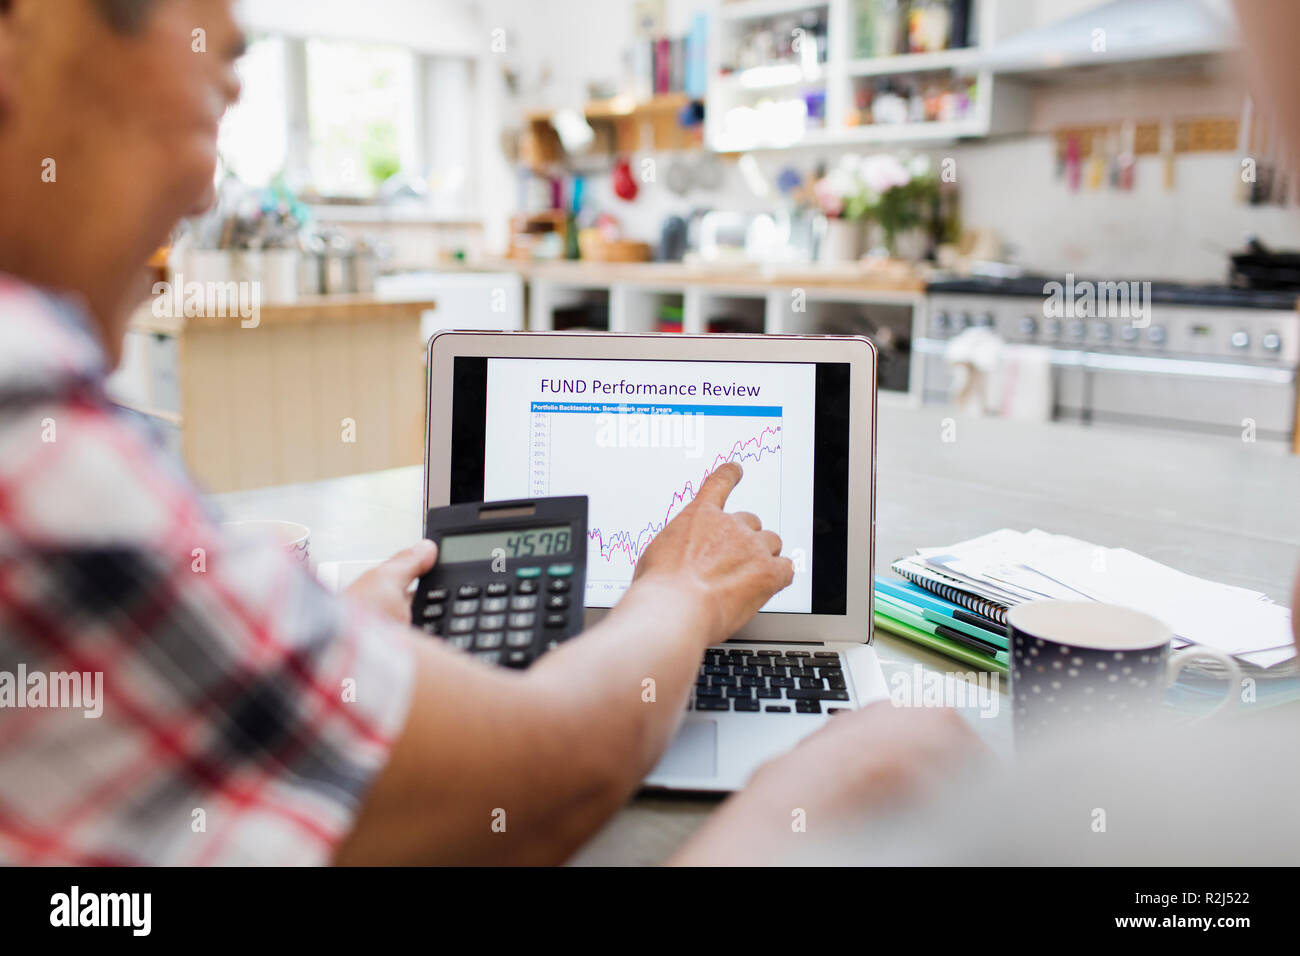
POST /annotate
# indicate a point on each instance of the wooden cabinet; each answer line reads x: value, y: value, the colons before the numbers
x: 318, y: 389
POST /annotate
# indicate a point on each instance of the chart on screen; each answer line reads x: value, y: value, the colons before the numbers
x: 641, y: 458
x: 653, y: 461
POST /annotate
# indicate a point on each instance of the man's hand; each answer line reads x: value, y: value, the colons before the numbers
x: 386, y: 589
x: 868, y: 760
x: 726, y: 565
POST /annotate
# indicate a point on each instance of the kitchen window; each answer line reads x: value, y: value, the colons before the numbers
x: 335, y: 119
x: 254, y: 138
x: 362, y: 124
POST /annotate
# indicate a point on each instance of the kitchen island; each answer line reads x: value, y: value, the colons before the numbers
x: 324, y: 386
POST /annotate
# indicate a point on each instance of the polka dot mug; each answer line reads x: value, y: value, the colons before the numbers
x: 1079, y: 664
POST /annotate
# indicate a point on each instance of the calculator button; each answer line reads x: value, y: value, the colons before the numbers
x: 432, y: 611
x: 498, y: 588
x: 523, y: 602
x: 437, y: 594
x: 519, y: 638
x: 461, y: 642
x: 461, y: 625
x: 461, y: 608
x: 528, y: 572
x: 494, y: 605
x: 467, y: 591
x: 517, y: 659
x: 487, y: 640
x: 488, y: 657
x: 433, y: 627
x: 491, y: 622
x: 558, y: 585
x: 521, y: 620
x: 526, y: 586
x: 560, y: 570
x: 557, y: 602
x: 556, y: 620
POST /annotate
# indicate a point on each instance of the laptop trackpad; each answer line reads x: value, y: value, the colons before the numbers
x: 693, y: 752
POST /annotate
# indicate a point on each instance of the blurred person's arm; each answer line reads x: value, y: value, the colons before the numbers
x: 871, y: 760
x: 1269, y: 29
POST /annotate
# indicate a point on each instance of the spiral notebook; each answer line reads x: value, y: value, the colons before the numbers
x: 950, y: 588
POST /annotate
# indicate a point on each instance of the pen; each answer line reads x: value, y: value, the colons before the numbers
x: 965, y: 639
x: 962, y: 614
x: 977, y: 633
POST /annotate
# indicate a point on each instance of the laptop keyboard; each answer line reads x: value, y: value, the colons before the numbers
x: 752, y: 681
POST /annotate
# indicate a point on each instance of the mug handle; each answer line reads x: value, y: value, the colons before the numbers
x: 1193, y: 652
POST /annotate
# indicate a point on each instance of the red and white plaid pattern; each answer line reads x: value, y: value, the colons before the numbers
x: 245, y: 709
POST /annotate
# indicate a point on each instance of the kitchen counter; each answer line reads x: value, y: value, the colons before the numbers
x: 308, y: 309
x: 785, y: 299
x: 661, y: 274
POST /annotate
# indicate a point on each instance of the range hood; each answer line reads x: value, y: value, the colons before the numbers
x: 1131, y: 31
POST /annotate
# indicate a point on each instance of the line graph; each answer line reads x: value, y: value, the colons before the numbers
x: 640, y: 465
x: 631, y: 543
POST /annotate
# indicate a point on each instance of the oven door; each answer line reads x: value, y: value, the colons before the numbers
x: 1189, y: 394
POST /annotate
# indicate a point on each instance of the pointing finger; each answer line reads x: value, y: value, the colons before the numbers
x: 719, y: 485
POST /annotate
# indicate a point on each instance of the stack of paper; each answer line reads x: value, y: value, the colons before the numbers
x: 1000, y: 570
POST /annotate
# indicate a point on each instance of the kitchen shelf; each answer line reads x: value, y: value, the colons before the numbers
x: 964, y: 59
x: 915, y: 133
x: 933, y: 132
x: 781, y: 77
x: 619, y: 124
x: 753, y: 9
x: 1000, y: 106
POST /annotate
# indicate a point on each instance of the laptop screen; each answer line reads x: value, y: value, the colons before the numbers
x: 638, y: 437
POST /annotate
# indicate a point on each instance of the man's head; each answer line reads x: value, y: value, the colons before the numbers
x: 108, y: 135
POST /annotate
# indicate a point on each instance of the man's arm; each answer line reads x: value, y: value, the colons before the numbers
x: 495, y: 766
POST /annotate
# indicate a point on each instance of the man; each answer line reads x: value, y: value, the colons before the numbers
x: 225, y: 734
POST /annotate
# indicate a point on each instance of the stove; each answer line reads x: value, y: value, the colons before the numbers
x: 1187, y: 357
x: 1164, y: 293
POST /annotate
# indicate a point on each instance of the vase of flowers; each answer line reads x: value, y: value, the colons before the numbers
x: 894, y: 196
x: 899, y: 198
x: 838, y: 194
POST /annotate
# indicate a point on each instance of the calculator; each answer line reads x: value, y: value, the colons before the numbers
x: 510, y: 582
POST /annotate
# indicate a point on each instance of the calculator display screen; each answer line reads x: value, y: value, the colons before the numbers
x: 513, y: 543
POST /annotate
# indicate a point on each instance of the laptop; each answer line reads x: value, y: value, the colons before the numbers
x: 635, y: 422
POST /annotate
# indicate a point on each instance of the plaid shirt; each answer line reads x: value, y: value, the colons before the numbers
x: 244, y: 709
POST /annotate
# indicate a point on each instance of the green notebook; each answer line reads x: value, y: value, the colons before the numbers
x: 940, y: 644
